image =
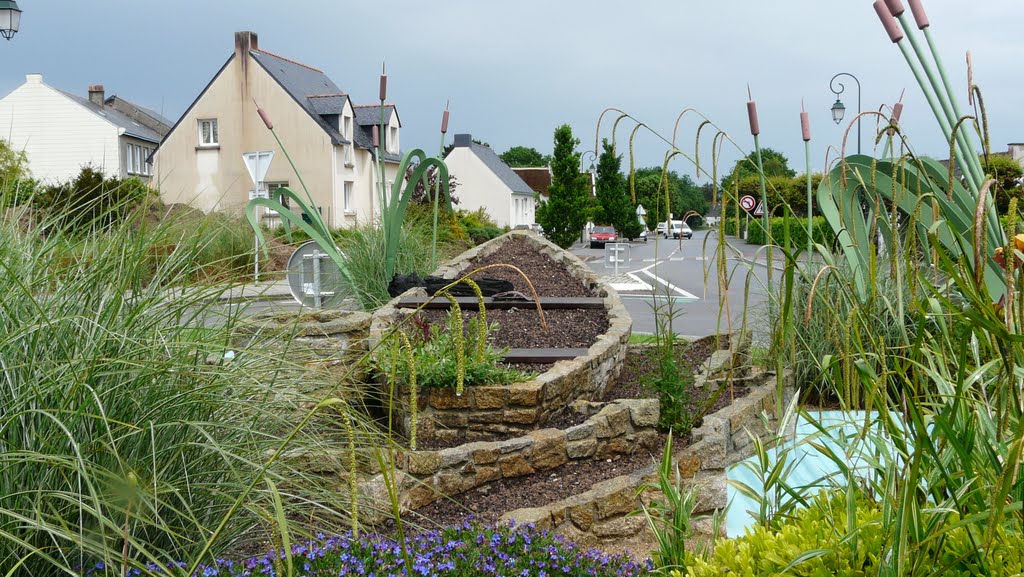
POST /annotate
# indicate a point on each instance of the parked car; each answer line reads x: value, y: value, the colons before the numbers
x: 661, y: 229
x: 681, y: 229
x: 643, y: 235
x: 600, y: 235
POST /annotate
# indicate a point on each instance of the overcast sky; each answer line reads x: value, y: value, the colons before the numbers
x: 515, y: 70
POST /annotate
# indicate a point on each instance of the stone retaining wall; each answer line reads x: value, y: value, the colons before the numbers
x: 483, y: 411
x: 603, y: 514
x: 619, y: 427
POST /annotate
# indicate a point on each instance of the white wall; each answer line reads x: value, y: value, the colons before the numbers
x: 479, y: 187
x: 58, y: 135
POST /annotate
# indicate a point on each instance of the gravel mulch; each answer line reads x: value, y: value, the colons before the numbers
x: 489, y: 502
x: 549, y: 278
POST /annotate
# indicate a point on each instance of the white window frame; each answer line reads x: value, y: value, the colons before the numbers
x: 214, y: 139
x: 346, y: 197
x: 392, y: 138
x: 346, y: 124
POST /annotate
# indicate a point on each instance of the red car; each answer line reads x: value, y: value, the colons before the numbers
x: 601, y: 235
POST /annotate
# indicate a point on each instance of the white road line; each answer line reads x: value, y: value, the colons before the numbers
x: 633, y: 284
x: 671, y: 286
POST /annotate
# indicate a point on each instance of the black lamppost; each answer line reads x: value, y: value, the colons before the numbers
x: 10, y: 18
x: 838, y: 109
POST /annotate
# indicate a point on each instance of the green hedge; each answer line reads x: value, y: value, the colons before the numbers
x: 823, y: 233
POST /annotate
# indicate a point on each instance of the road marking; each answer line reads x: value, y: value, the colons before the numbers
x: 628, y: 282
x: 671, y: 286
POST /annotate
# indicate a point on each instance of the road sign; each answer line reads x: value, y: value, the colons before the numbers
x: 747, y: 202
x: 759, y: 211
x: 257, y: 163
x: 260, y: 193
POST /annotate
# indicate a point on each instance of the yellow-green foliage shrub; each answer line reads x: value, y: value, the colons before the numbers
x: 820, y: 536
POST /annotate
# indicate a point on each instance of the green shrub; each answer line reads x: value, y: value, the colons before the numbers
x: 797, y: 231
x: 90, y: 202
x: 436, y: 359
x: 821, y: 540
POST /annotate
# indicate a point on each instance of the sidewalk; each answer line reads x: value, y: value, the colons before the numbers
x: 263, y: 290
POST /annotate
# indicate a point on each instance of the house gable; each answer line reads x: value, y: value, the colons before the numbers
x: 57, y: 133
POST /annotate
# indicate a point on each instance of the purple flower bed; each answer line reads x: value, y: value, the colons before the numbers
x: 466, y: 550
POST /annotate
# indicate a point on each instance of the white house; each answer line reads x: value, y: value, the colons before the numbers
x: 487, y: 182
x: 330, y: 140
x: 61, y: 132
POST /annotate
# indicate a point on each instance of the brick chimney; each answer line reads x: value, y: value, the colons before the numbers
x: 96, y: 94
x: 246, y: 41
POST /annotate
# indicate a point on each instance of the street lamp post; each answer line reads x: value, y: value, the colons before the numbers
x: 838, y: 109
x: 593, y: 181
x: 10, y: 18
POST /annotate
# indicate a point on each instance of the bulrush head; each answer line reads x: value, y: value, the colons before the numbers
x: 888, y: 22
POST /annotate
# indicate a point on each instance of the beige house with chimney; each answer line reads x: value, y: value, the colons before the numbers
x: 61, y: 132
x: 329, y: 138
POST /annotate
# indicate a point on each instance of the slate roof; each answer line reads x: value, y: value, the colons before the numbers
x: 131, y: 128
x: 302, y: 82
x: 328, y: 103
x: 148, y: 111
x: 366, y: 117
x: 499, y: 168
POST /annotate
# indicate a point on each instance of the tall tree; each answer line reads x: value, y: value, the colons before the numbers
x: 613, y: 205
x: 524, y: 157
x: 773, y: 162
x: 565, y: 211
x: 683, y: 194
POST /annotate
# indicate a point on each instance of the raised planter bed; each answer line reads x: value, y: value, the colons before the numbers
x: 483, y: 412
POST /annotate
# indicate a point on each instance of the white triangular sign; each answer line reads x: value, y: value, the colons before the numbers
x: 257, y: 163
x: 759, y: 211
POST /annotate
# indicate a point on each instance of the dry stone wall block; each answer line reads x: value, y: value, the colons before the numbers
x: 447, y: 399
x: 485, y: 475
x: 522, y: 416
x: 644, y: 412
x: 619, y: 527
x: 581, y: 449
x: 549, y: 449
x: 582, y: 431
x: 527, y: 394
x: 490, y: 397
x: 614, y: 497
x: 514, y: 466
x: 422, y: 463
x: 538, y: 517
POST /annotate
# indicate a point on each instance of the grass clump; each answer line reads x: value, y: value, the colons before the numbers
x: 126, y: 434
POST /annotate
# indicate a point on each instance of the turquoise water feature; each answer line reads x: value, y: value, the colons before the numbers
x: 807, y: 459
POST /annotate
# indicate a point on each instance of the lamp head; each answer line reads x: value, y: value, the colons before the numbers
x: 10, y: 18
x: 838, y: 110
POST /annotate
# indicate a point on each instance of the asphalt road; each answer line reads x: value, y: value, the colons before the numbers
x: 679, y: 279
x: 672, y: 278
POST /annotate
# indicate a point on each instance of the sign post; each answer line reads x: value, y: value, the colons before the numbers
x: 257, y: 163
